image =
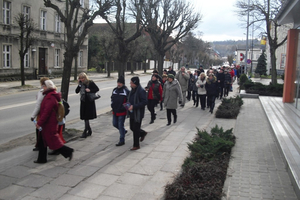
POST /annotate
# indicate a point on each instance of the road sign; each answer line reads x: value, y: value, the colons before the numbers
x: 241, y: 56
x: 249, y: 61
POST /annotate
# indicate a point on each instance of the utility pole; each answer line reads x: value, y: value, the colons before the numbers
x: 246, y: 54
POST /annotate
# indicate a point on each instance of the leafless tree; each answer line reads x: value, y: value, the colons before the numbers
x: 117, y: 19
x: 26, y: 36
x: 265, y: 11
x: 77, y: 19
x: 167, y: 21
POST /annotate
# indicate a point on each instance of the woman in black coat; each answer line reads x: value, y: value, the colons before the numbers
x: 87, y: 107
x: 212, y: 91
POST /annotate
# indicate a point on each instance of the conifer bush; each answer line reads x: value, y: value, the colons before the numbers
x: 229, y: 108
x: 204, y: 172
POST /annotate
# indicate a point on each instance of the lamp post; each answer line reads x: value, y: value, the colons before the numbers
x: 246, y: 54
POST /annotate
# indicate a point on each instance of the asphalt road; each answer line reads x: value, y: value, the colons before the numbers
x: 16, y: 109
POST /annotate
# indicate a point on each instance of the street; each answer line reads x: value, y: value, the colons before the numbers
x: 16, y: 109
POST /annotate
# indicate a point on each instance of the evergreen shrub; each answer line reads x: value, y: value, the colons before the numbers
x: 229, y: 108
x: 204, y: 172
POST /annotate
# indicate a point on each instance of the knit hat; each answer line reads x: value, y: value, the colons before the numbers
x: 156, y: 76
x: 49, y: 84
x: 171, y: 76
x: 135, y: 80
x: 121, y: 80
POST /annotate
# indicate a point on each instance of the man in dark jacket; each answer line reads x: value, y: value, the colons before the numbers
x: 171, y: 71
x: 118, y: 98
x: 138, y: 100
x: 221, y: 79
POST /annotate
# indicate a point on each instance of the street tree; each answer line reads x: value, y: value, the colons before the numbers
x: 261, y: 68
x: 77, y: 19
x: 265, y: 11
x: 167, y: 22
x: 26, y: 37
x: 117, y: 19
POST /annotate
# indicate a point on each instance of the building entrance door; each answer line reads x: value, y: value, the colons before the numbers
x: 42, y: 61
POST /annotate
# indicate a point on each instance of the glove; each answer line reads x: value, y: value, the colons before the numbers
x: 32, y: 119
x: 180, y: 102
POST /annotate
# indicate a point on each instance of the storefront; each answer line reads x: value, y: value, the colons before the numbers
x: 289, y: 13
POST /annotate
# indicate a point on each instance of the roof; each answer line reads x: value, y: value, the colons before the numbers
x: 289, y: 13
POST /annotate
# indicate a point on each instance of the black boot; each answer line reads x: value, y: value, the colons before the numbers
x: 84, y: 134
x: 89, y: 133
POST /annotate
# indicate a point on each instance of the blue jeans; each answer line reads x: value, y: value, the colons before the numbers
x: 118, y: 122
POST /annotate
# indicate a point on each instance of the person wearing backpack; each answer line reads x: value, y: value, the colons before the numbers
x: 87, y: 107
x: 48, y: 124
x: 118, y: 98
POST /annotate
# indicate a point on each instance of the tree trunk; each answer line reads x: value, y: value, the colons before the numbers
x: 22, y: 70
x: 65, y: 81
x: 131, y: 67
x: 273, y: 66
x: 160, y: 63
x: 121, y: 70
x: 76, y: 67
x: 108, y: 68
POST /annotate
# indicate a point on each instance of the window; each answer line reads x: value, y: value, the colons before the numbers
x: 57, y: 53
x: 6, y: 56
x: 43, y: 20
x: 26, y: 60
x: 6, y: 12
x: 80, y: 59
x: 82, y: 3
x: 26, y: 12
x: 57, y: 23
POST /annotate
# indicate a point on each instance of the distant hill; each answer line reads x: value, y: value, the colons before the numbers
x: 228, y: 47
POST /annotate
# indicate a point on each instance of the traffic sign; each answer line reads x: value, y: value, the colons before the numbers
x: 241, y: 56
x: 249, y: 61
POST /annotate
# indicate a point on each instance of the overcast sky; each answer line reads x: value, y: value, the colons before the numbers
x: 219, y: 20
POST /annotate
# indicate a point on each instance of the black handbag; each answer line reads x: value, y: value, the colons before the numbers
x: 92, y: 96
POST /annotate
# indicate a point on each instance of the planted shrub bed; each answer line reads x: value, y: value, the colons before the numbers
x: 204, y: 172
x: 229, y: 108
x: 264, y: 90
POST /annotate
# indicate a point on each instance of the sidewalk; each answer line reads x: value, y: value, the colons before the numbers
x: 100, y: 170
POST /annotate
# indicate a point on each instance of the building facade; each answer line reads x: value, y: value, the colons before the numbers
x: 253, y: 55
x: 289, y: 15
x: 45, y: 56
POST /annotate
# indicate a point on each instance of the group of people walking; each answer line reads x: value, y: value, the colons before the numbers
x: 169, y: 90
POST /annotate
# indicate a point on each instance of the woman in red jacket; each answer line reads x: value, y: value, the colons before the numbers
x: 154, y: 95
x: 48, y: 125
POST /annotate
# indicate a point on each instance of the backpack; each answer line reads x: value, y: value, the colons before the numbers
x: 60, y: 114
x: 66, y: 106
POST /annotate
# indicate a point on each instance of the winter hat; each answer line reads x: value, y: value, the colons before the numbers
x: 171, y: 76
x: 49, y: 84
x: 156, y: 76
x: 135, y: 80
x: 121, y: 80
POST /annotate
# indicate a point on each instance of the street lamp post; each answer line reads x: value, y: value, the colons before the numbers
x: 246, y: 54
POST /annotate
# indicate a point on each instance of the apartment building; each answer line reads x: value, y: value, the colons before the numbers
x: 46, y: 54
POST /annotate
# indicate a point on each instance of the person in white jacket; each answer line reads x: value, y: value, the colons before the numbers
x: 201, y: 89
x: 36, y: 111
